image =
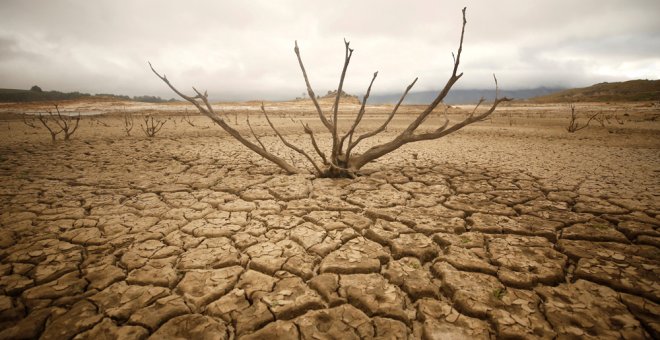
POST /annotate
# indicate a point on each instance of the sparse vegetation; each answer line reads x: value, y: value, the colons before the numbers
x: 187, y: 118
x: 30, y: 121
x: 573, y: 125
x: 601, y: 119
x: 97, y: 121
x: 63, y: 123
x: 342, y: 160
x: 151, y: 125
x: 52, y: 130
x: 499, y: 293
x: 128, y: 123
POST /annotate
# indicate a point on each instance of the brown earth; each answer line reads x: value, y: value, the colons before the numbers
x: 510, y: 228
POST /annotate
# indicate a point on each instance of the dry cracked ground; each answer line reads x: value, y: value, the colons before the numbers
x: 196, y: 238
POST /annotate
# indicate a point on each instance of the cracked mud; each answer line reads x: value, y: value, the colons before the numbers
x: 193, y: 237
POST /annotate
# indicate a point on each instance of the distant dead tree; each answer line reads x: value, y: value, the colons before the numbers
x: 573, y: 125
x: 98, y: 121
x: 601, y: 119
x: 151, y: 125
x: 64, y: 123
x: 342, y: 160
x: 52, y: 130
x: 186, y: 118
x: 128, y: 123
x: 31, y: 122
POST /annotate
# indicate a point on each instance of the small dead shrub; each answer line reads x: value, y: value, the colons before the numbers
x: 62, y: 123
x: 152, y: 125
x: 128, y: 123
x: 573, y: 125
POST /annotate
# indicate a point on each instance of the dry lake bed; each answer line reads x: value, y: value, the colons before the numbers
x: 509, y: 228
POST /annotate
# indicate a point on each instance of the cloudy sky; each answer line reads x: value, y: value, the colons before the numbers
x: 244, y: 49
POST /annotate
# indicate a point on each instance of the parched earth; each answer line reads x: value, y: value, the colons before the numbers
x: 195, y: 238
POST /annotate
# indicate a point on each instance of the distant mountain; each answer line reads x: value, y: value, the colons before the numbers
x: 461, y: 96
x: 627, y: 91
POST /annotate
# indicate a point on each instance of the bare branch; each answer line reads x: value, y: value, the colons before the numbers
x: 98, y: 122
x: 68, y: 134
x: 600, y: 119
x: 151, y: 126
x: 58, y: 120
x: 205, y: 99
x: 336, y: 150
x: 481, y: 100
x: 309, y: 131
x: 186, y: 118
x: 62, y: 121
x: 310, y: 91
x: 384, y: 125
x: 208, y: 111
x: 359, y: 116
x: 293, y: 147
x: 128, y: 123
x: 30, y: 122
x: 573, y: 125
x: 52, y: 132
x: 407, y: 137
x: 247, y: 119
x: 455, y: 76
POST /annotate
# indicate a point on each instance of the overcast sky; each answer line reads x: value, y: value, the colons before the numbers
x: 244, y: 49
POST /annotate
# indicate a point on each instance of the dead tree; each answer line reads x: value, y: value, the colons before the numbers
x: 152, y: 126
x: 573, y: 125
x: 601, y: 118
x: 30, y: 122
x: 52, y: 130
x: 128, y: 123
x: 99, y: 122
x: 64, y: 123
x: 186, y: 118
x: 343, y: 160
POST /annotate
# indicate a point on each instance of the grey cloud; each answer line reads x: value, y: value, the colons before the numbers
x: 244, y: 50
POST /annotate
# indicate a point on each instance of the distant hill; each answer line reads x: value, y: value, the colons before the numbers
x: 331, y: 95
x: 36, y: 95
x: 627, y: 91
x: 15, y: 95
x: 460, y: 96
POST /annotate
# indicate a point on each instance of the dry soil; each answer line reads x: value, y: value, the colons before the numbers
x: 510, y: 228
